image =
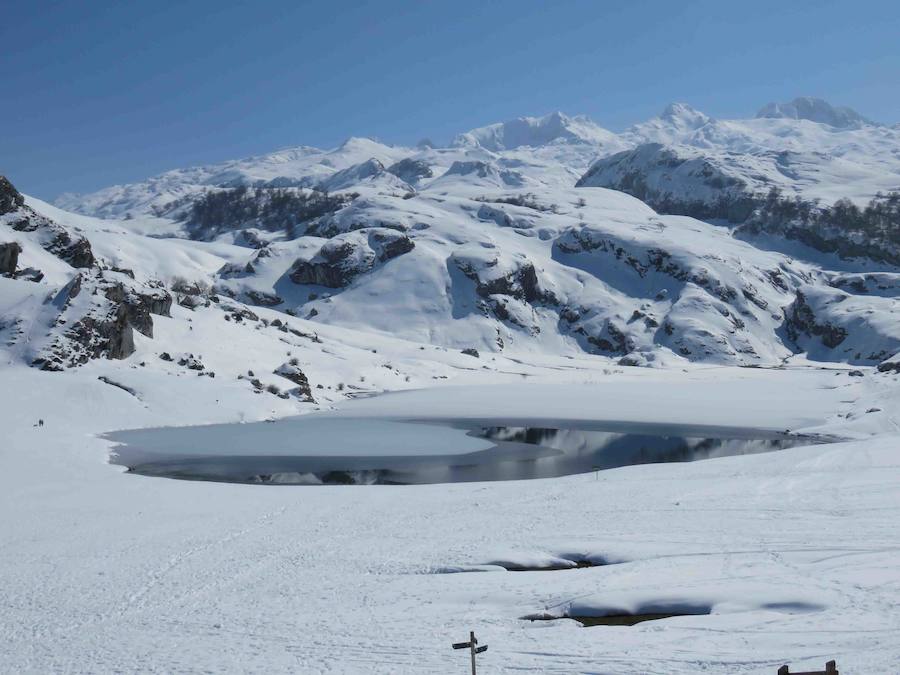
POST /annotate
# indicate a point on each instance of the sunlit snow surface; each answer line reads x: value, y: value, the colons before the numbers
x: 793, y: 553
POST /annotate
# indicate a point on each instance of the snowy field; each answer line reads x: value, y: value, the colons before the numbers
x: 794, y: 554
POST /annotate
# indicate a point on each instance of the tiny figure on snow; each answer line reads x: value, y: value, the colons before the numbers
x: 40, y: 423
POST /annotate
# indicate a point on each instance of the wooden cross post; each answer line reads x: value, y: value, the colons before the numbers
x: 470, y: 645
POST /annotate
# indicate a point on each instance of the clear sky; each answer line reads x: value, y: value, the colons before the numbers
x: 99, y: 92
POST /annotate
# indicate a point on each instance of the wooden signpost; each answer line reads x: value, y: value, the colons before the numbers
x: 470, y: 645
x: 830, y: 669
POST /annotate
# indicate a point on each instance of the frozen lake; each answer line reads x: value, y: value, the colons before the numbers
x: 336, y: 449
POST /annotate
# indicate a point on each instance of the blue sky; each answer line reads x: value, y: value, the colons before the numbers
x: 97, y: 93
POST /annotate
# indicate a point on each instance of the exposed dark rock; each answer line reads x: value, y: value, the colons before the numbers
x: 100, y: 311
x: 264, y: 299
x: 52, y: 237
x: 140, y: 302
x: 9, y: 254
x: 74, y: 250
x: 801, y: 318
x: 886, y: 284
x: 340, y: 260
x: 471, y: 351
x: 192, y: 301
x: 10, y: 198
x: 30, y: 274
x: 411, y: 170
x: 291, y: 371
x: 389, y: 244
x: 191, y: 362
x: 521, y: 282
x: 659, y: 260
x: 121, y: 386
x: 97, y: 335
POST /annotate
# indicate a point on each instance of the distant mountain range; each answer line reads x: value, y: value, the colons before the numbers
x: 682, y: 238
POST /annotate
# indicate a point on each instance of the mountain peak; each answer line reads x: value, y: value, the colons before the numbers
x: 684, y: 115
x: 534, y: 132
x: 361, y: 143
x: 815, y: 110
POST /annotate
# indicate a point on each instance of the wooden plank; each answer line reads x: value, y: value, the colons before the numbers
x: 461, y: 645
x: 830, y: 669
x: 482, y: 648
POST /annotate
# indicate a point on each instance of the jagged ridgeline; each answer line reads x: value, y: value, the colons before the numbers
x: 271, y: 209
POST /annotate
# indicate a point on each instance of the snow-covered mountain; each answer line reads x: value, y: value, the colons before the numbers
x: 537, y: 131
x: 806, y: 148
x: 815, y: 110
x: 505, y: 242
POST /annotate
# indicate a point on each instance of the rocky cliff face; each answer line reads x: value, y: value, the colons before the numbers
x: 95, y: 313
x: 10, y: 198
x: 99, y: 310
x: 9, y: 258
x: 52, y: 237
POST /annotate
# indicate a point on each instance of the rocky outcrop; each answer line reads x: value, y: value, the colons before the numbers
x: 494, y: 274
x: 891, y: 365
x: 140, y: 301
x: 801, y: 318
x: 886, y: 284
x: 830, y: 324
x: 10, y: 198
x: 263, y: 299
x: 411, y: 170
x: 341, y: 259
x: 291, y: 371
x: 9, y: 258
x: 90, y: 327
x: 52, y: 237
x: 100, y: 312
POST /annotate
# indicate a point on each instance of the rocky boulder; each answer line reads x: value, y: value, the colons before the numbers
x: 341, y: 259
x: 291, y: 371
x: 9, y: 257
